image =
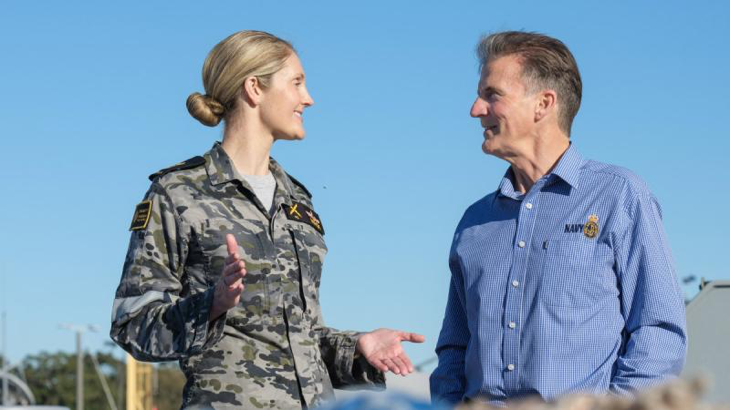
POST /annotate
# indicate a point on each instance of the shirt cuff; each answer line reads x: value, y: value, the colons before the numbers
x: 354, y: 370
x: 205, y: 333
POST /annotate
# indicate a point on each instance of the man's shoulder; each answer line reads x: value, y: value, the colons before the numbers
x: 479, y: 208
x: 615, y: 174
x: 482, y: 202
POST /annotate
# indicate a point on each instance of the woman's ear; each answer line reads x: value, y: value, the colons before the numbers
x: 251, y: 92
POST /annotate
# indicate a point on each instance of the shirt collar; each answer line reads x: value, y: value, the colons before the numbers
x: 221, y: 170
x: 567, y: 169
x: 219, y: 165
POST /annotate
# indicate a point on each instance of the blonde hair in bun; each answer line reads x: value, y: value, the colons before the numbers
x: 205, y: 109
x: 239, y: 56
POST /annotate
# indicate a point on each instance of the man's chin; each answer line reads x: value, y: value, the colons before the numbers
x: 488, y: 148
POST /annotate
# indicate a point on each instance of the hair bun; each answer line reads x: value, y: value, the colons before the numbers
x: 205, y: 109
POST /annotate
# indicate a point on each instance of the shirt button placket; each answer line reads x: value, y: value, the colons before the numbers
x: 526, y: 221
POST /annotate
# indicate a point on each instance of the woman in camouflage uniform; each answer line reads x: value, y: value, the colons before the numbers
x: 224, y: 262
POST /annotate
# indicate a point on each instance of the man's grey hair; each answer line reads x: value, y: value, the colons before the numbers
x: 546, y: 64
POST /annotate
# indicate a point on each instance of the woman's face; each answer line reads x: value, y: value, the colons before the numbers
x: 283, y: 103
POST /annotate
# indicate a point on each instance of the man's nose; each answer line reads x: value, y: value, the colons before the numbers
x: 479, y: 108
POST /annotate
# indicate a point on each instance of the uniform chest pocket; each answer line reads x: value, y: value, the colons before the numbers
x: 250, y: 238
x: 311, y: 251
x: 577, y: 273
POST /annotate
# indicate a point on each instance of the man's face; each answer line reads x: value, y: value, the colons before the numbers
x: 505, y: 108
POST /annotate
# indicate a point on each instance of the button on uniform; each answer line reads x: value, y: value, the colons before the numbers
x: 510, y: 367
x: 515, y: 283
x: 521, y: 244
x: 512, y: 325
x: 528, y: 205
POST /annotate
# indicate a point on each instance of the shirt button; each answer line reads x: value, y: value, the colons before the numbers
x: 515, y: 283
x: 512, y: 325
x: 521, y: 244
x: 510, y: 367
x: 528, y: 205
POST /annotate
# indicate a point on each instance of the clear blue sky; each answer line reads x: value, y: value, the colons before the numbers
x: 93, y: 100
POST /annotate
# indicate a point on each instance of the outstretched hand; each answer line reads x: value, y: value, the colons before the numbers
x: 229, y: 287
x: 382, y: 349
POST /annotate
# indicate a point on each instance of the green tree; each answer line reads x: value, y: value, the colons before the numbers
x: 170, y: 383
x: 52, y: 378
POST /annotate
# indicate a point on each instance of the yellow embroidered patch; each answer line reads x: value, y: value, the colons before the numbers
x: 141, y: 216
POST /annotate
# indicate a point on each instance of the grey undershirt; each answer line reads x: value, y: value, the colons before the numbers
x: 263, y: 186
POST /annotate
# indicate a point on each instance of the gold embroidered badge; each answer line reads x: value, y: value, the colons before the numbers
x: 297, y: 212
x: 141, y: 216
x: 314, y: 220
x: 590, y: 230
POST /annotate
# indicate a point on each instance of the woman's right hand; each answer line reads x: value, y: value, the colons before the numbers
x: 230, y: 285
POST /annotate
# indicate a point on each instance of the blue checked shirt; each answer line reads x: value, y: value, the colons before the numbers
x: 569, y: 288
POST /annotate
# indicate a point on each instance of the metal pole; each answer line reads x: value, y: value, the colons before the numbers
x: 79, y: 373
x: 6, y: 365
x: 104, y: 385
x: 6, y: 362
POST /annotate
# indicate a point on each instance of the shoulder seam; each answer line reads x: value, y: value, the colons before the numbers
x: 296, y: 182
x: 193, y: 162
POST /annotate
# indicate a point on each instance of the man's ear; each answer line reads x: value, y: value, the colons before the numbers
x: 545, y: 104
x: 251, y: 92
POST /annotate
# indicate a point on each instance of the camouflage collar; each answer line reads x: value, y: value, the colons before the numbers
x: 221, y: 170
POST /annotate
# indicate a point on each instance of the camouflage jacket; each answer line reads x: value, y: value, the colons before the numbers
x: 270, y: 351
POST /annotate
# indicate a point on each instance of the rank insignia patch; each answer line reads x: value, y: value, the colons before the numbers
x: 302, y: 213
x: 590, y: 230
x: 141, y: 216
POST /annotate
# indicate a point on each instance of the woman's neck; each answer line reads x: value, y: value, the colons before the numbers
x: 249, y: 146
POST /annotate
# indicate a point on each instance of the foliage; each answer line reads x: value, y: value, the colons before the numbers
x: 170, y: 383
x: 52, y: 378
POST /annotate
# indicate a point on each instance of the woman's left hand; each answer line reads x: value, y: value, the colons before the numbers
x: 382, y: 349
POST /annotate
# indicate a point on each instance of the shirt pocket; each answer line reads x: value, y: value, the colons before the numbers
x: 254, y: 301
x: 311, y: 250
x: 577, y: 273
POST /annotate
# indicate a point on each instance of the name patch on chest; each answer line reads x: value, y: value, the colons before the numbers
x: 589, y: 229
x: 302, y: 213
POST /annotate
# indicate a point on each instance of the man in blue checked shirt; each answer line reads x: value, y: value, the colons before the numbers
x: 562, y: 279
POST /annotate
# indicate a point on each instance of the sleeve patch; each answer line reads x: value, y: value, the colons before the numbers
x: 141, y: 216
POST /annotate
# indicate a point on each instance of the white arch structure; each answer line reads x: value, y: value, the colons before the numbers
x: 18, y: 384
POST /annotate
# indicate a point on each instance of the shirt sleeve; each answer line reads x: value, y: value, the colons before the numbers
x: 448, y: 380
x: 655, y: 338
x: 149, y: 318
x: 346, y: 369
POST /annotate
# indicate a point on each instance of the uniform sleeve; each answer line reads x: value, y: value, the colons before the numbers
x: 448, y: 380
x: 149, y: 318
x: 346, y: 369
x: 655, y: 338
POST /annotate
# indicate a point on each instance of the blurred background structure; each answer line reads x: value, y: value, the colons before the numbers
x: 708, y: 329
